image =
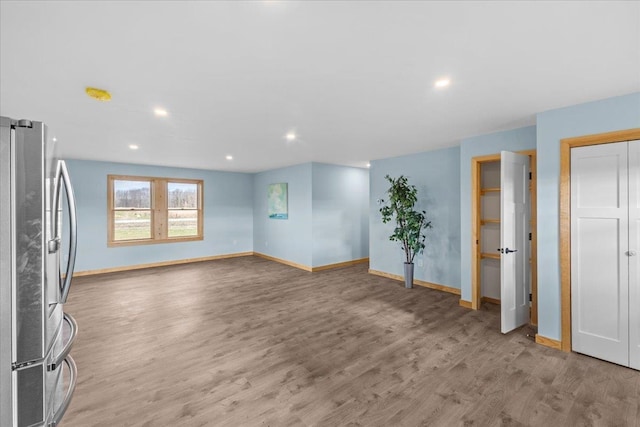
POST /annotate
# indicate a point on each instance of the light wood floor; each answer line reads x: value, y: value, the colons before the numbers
x: 249, y: 342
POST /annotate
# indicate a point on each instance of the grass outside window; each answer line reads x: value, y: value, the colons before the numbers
x: 146, y: 210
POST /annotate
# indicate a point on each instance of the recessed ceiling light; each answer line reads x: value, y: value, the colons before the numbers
x: 229, y: 157
x: 161, y: 112
x: 368, y: 165
x: 291, y: 136
x: 55, y: 139
x: 133, y: 146
x: 442, y: 83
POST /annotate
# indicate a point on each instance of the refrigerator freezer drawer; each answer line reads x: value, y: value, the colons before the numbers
x: 61, y: 401
x: 54, y: 388
x: 30, y: 395
x: 40, y: 387
x: 42, y: 400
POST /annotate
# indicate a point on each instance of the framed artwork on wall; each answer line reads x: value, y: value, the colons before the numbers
x: 277, y: 201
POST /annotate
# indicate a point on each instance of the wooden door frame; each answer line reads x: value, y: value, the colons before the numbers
x: 476, y: 163
x: 565, y: 217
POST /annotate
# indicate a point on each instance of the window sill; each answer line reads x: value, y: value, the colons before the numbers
x: 116, y: 244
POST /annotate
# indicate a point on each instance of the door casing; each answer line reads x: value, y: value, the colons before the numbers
x: 476, y: 162
x: 565, y: 218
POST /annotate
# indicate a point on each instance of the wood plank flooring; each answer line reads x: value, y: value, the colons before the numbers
x: 249, y: 342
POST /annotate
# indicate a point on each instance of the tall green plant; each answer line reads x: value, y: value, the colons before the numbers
x: 410, y: 224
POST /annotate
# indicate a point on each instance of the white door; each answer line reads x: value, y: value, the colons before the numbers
x: 634, y: 251
x: 514, y: 240
x: 599, y: 245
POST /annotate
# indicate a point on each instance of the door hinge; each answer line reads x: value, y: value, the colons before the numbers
x: 530, y: 297
x: 477, y: 242
x: 529, y: 236
x: 530, y: 175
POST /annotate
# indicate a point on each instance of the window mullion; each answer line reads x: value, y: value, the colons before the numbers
x: 111, y: 209
x: 160, y: 211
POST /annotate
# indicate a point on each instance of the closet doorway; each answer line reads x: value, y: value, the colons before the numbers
x: 486, y: 233
x: 600, y: 238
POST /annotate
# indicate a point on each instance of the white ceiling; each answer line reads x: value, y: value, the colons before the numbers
x: 353, y: 79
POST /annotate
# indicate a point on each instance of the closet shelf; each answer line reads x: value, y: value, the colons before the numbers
x: 489, y: 221
x: 494, y: 256
x: 489, y: 190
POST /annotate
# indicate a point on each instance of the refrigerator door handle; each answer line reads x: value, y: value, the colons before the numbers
x: 54, y: 243
x: 67, y: 347
x: 73, y: 376
x: 73, y: 233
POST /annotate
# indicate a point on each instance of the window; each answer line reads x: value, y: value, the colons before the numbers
x: 144, y: 210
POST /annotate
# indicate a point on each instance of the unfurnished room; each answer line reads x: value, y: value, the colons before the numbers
x: 319, y: 213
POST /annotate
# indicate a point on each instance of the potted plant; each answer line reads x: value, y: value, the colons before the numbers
x: 410, y: 224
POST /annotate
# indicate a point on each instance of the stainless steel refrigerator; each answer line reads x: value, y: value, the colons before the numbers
x: 37, y: 374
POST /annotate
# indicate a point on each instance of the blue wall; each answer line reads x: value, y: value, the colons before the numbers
x: 228, y: 216
x: 328, y: 214
x: 595, y: 117
x: 436, y: 174
x: 340, y: 204
x: 235, y: 215
x: 325, y: 210
x: 288, y: 239
x: 432, y: 173
x: 511, y: 140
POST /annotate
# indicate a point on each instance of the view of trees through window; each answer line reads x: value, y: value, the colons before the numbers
x: 132, y: 216
x: 182, y: 201
x: 154, y: 209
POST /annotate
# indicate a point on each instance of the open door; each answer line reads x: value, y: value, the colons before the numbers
x: 514, y: 240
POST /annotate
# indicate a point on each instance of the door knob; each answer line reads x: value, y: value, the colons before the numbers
x: 508, y: 251
x: 630, y: 253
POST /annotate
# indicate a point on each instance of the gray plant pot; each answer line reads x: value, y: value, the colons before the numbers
x: 408, y: 275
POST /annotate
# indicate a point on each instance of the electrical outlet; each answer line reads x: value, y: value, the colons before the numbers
x: 420, y: 263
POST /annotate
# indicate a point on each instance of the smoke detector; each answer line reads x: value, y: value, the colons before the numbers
x: 98, y: 94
